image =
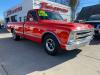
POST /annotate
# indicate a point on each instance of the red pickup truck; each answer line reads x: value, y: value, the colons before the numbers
x: 49, y: 28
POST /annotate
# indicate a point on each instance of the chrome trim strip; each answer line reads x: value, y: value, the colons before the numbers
x: 32, y: 35
x: 28, y: 34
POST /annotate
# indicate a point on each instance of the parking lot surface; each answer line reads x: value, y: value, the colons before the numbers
x: 28, y: 58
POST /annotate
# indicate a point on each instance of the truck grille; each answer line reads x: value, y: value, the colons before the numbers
x: 85, y: 34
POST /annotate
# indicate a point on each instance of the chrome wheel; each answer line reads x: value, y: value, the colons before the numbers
x: 50, y: 45
x: 14, y: 35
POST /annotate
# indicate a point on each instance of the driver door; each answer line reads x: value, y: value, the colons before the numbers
x: 30, y: 28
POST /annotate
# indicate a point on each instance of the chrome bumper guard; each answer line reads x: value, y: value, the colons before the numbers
x: 77, y: 45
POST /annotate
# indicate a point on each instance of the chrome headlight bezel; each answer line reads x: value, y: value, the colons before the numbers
x: 72, y: 37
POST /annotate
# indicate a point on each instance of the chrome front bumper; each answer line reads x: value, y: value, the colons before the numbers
x: 77, y: 45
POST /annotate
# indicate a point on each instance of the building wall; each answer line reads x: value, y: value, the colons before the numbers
x: 30, y: 4
x: 26, y: 5
x: 67, y: 15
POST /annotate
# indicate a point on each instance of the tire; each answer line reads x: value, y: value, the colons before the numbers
x: 51, y: 45
x: 15, y: 36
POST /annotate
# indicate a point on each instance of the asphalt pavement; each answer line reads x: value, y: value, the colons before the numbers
x: 28, y: 58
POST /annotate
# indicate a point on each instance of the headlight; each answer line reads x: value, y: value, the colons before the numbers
x: 72, y: 37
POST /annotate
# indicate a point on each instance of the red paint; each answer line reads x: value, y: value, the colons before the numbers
x: 35, y: 30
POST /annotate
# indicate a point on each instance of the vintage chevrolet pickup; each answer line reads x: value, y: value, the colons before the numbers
x: 49, y: 28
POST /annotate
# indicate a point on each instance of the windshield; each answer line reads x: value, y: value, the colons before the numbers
x: 47, y: 15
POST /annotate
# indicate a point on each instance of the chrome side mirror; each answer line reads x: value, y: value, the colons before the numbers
x: 31, y: 19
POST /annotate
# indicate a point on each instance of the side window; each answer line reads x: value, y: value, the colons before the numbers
x: 34, y: 15
x: 31, y: 15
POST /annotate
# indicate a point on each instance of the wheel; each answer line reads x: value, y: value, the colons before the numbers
x: 15, y: 36
x: 51, y: 45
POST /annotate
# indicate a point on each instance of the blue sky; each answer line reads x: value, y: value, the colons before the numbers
x: 84, y: 3
x: 6, y: 4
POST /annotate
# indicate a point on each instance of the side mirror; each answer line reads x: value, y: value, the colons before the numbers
x: 31, y: 19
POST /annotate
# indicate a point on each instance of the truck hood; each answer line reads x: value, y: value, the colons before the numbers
x: 67, y: 25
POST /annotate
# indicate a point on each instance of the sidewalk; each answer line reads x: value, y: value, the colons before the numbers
x: 28, y: 58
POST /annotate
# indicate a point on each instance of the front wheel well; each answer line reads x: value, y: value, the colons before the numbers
x: 46, y: 34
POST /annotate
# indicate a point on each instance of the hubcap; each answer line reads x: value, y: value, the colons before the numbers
x: 50, y: 44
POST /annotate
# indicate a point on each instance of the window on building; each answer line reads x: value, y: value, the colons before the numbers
x: 7, y: 20
x: 14, y: 18
x: 24, y: 18
x: 20, y: 19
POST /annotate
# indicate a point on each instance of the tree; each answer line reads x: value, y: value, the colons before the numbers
x: 1, y: 21
x: 73, y: 4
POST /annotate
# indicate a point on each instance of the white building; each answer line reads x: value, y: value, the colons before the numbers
x: 19, y: 12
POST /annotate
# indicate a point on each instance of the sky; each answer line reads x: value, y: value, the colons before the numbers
x: 6, y: 4
x: 84, y: 3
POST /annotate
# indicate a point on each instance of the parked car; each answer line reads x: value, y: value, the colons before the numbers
x: 95, y: 21
x: 50, y: 29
